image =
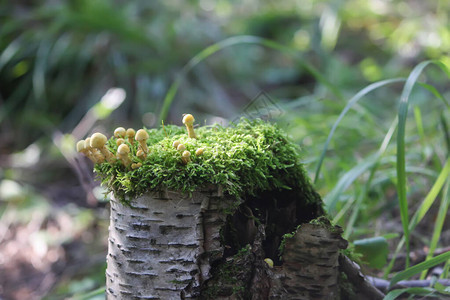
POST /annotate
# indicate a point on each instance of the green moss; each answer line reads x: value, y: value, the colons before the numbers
x: 284, y: 238
x: 244, y: 159
x: 231, y: 277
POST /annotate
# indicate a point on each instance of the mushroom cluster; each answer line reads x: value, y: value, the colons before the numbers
x: 132, y: 149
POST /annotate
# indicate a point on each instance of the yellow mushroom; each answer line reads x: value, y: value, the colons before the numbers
x: 122, y: 154
x: 175, y: 144
x: 269, y: 262
x: 141, y: 154
x: 181, y: 147
x: 82, y: 149
x: 186, y: 157
x: 136, y: 165
x: 141, y: 137
x: 130, y: 134
x: 98, y: 156
x: 199, y: 151
x: 120, y: 141
x: 120, y: 132
x: 98, y: 141
x: 188, y: 120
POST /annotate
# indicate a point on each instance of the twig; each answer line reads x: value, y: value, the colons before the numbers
x: 383, y: 285
x: 364, y: 286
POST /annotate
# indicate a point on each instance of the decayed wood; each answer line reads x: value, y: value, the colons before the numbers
x: 310, y: 267
x: 162, y: 246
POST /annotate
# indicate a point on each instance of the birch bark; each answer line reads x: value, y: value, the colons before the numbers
x: 162, y: 246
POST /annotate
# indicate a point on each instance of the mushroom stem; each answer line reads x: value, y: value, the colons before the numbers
x: 130, y: 134
x: 141, y: 154
x: 186, y: 157
x: 98, y: 141
x: 141, y: 137
x: 122, y: 154
x: 98, y: 156
x: 188, y: 120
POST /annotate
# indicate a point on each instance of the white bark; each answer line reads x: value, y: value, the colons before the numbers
x: 163, y: 245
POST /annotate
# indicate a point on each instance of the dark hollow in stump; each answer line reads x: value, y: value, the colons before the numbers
x: 208, y: 245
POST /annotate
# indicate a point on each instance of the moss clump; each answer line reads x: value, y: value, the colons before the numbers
x: 244, y: 159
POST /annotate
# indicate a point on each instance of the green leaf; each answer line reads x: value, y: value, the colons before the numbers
x: 374, y: 250
x: 419, y: 268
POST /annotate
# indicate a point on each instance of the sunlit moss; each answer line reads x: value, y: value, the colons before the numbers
x: 244, y: 159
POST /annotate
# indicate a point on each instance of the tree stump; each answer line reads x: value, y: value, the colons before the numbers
x: 207, y: 245
x: 175, y: 235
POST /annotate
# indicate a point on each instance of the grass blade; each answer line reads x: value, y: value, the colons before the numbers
x: 443, y: 208
x: 349, y: 105
x: 236, y: 40
x: 412, y: 290
x: 401, y: 165
x: 431, y: 196
x: 369, y: 163
x: 419, y: 268
x: 420, y: 213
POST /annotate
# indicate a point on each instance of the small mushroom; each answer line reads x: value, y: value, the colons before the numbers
x: 120, y: 132
x: 269, y: 262
x: 141, y: 137
x: 82, y: 149
x: 98, y: 141
x: 120, y: 141
x: 130, y: 134
x: 136, y: 165
x: 122, y: 154
x: 98, y: 156
x: 188, y: 120
x: 175, y: 144
x: 186, y: 157
x: 141, y: 154
x: 181, y: 147
x: 199, y: 151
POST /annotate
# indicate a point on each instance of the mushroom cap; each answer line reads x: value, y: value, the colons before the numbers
x: 199, y: 151
x: 181, y: 147
x: 98, y: 140
x: 141, y: 135
x: 186, y: 154
x: 140, y: 153
x: 80, y: 146
x: 120, y: 132
x: 131, y: 132
x: 123, y: 149
x: 120, y: 141
x: 87, y: 143
x: 175, y: 144
x: 188, y: 119
x: 269, y: 262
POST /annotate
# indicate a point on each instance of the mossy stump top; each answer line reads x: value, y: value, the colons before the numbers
x: 244, y: 159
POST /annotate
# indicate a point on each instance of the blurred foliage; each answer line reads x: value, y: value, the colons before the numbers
x: 59, y: 57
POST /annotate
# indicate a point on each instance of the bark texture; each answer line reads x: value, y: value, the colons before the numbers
x: 163, y: 245
x: 212, y: 246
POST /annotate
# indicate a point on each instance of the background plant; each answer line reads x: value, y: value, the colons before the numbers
x: 58, y: 58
